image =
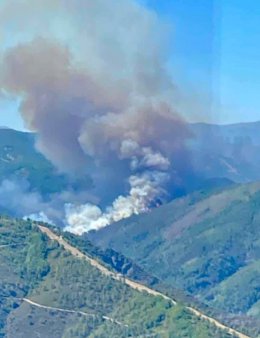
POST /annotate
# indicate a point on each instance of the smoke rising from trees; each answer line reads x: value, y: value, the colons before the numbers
x: 93, y: 84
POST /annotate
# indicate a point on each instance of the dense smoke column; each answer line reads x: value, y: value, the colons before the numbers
x: 98, y: 100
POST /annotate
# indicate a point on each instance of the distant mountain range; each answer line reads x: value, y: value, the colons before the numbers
x: 231, y: 151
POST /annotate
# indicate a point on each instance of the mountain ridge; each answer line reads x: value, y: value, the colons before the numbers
x: 195, y: 243
x: 133, y: 284
x: 49, y: 279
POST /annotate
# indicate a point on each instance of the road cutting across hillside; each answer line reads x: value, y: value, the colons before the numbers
x: 57, y: 309
x: 76, y: 252
x: 135, y: 285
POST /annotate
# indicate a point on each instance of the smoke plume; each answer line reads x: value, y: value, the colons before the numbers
x: 143, y: 192
x: 16, y: 197
x: 20, y: 199
x: 93, y: 84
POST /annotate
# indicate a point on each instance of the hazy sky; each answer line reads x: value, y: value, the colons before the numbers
x: 214, y: 59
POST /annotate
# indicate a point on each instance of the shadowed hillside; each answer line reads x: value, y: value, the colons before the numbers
x: 205, y: 244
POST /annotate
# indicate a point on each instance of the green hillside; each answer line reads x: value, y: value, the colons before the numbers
x: 20, y: 160
x: 47, y: 292
x: 205, y: 244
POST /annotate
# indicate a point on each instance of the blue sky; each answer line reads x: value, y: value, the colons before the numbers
x: 216, y: 48
x: 214, y: 59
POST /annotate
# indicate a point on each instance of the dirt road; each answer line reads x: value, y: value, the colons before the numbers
x: 135, y: 285
x: 75, y: 252
x: 26, y: 300
x: 8, y: 245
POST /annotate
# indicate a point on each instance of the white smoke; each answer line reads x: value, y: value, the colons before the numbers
x: 142, y: 157
x: 15, y: 195
x: 39, y: 217
x: 144, y: 189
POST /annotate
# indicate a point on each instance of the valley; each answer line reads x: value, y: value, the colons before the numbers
x: 166, y: 242
x: 129, y: 169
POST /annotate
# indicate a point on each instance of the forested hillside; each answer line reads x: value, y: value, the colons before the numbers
x: 206, y: 244
x: 47, y: 292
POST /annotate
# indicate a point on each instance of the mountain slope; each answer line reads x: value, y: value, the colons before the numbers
x: 134, y: 285
x: 19, y: 160
x: 231, y: 151
x: 49, y: 289
x: 206, y: 244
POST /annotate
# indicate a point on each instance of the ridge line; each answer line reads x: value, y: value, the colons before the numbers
x: 134, y: 285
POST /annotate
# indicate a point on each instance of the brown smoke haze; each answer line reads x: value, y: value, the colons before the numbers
x: 94, y: 86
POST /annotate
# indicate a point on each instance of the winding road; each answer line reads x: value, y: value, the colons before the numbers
x: 26, y: 300
x: 135, y: 285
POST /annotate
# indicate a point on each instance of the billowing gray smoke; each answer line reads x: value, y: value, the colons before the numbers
x: 18, y: 198
x: 93, y: 84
